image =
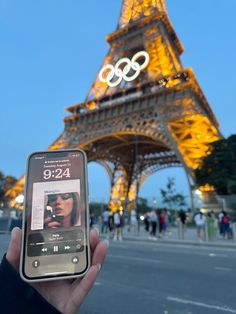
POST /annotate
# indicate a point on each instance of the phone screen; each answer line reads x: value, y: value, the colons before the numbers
x: 56, y: 216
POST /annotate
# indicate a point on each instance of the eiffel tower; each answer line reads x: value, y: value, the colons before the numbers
x: 144, y: 111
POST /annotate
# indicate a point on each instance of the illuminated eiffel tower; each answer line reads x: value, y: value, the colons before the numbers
x: 144, y: 111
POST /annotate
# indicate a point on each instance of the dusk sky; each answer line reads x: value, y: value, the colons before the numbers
x: 52, y: 50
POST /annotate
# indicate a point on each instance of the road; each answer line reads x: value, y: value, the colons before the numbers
x: 144, y: 278
x: 164, y: 279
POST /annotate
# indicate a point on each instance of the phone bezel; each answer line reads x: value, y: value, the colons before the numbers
x: 24, y: 222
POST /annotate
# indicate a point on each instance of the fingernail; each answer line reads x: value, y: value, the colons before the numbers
x: 99, y: 266
x: 14, y: 230
x: 107, y: 242
x: 95, y: 228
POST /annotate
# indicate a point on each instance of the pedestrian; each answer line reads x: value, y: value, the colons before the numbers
x: 146, y: 221
x: 111, y: 224
x: 153, y: 220
x: 220, y: 223
x: 162, y: 222
x: 133, y: 222
x: 199, y: 219
x: 182, y: 216
x: 105, y: 220
x: 55, y: 297
x: 182, y: 219
x: 225, y: 225
x: 168, y: 221
x: 118, y: 226
x: 211, y: 225
x: 91, y: 220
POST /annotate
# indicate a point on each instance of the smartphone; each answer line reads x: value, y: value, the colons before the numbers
x: 55, y: 238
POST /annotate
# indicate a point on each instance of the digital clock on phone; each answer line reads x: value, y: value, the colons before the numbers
x: 57, y: 173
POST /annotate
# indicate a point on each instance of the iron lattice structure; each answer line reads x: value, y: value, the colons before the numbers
x: 160, y: 119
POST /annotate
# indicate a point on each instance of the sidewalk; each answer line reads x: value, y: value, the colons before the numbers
x: 176, y: 236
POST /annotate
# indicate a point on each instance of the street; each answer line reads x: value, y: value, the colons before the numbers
x: 140, y: 277
x: 156, y: 278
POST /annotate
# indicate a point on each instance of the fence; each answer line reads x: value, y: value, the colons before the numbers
x: 190, y: 233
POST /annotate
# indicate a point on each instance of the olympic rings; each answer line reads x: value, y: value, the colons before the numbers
x: 110, y: 71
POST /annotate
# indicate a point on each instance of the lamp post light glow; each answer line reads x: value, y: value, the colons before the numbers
x: 198, y: 192
x: 20, y: 199
x: 198, y: 198
x: 142, y: 218
x: 154, y: 202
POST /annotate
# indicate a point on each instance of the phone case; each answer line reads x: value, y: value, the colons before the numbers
x: 56, y: 218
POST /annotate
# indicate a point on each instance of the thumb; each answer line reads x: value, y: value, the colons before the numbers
x: 13, y: 252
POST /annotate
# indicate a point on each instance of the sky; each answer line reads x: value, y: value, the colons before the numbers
x: 52, y: 50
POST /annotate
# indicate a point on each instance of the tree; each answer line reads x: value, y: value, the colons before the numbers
x: 171, y: 197
x: 218, y: 169
x: 142, y: 205
x: 6, y: 183
x: 2, y: 188
x: 97, y: 208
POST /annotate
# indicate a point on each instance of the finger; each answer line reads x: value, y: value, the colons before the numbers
x: 53, y: 224
x: 48, y: 219
x: 13, y: 252
x: 100, y: 252
x: 93, y: 239
x: 81, y: 289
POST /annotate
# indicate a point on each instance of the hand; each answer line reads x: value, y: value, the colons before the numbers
x: 65, y: 295
x: 49, y: 222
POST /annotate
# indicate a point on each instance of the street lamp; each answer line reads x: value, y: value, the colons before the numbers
x: 199, y: 195
x: 154, y: 202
